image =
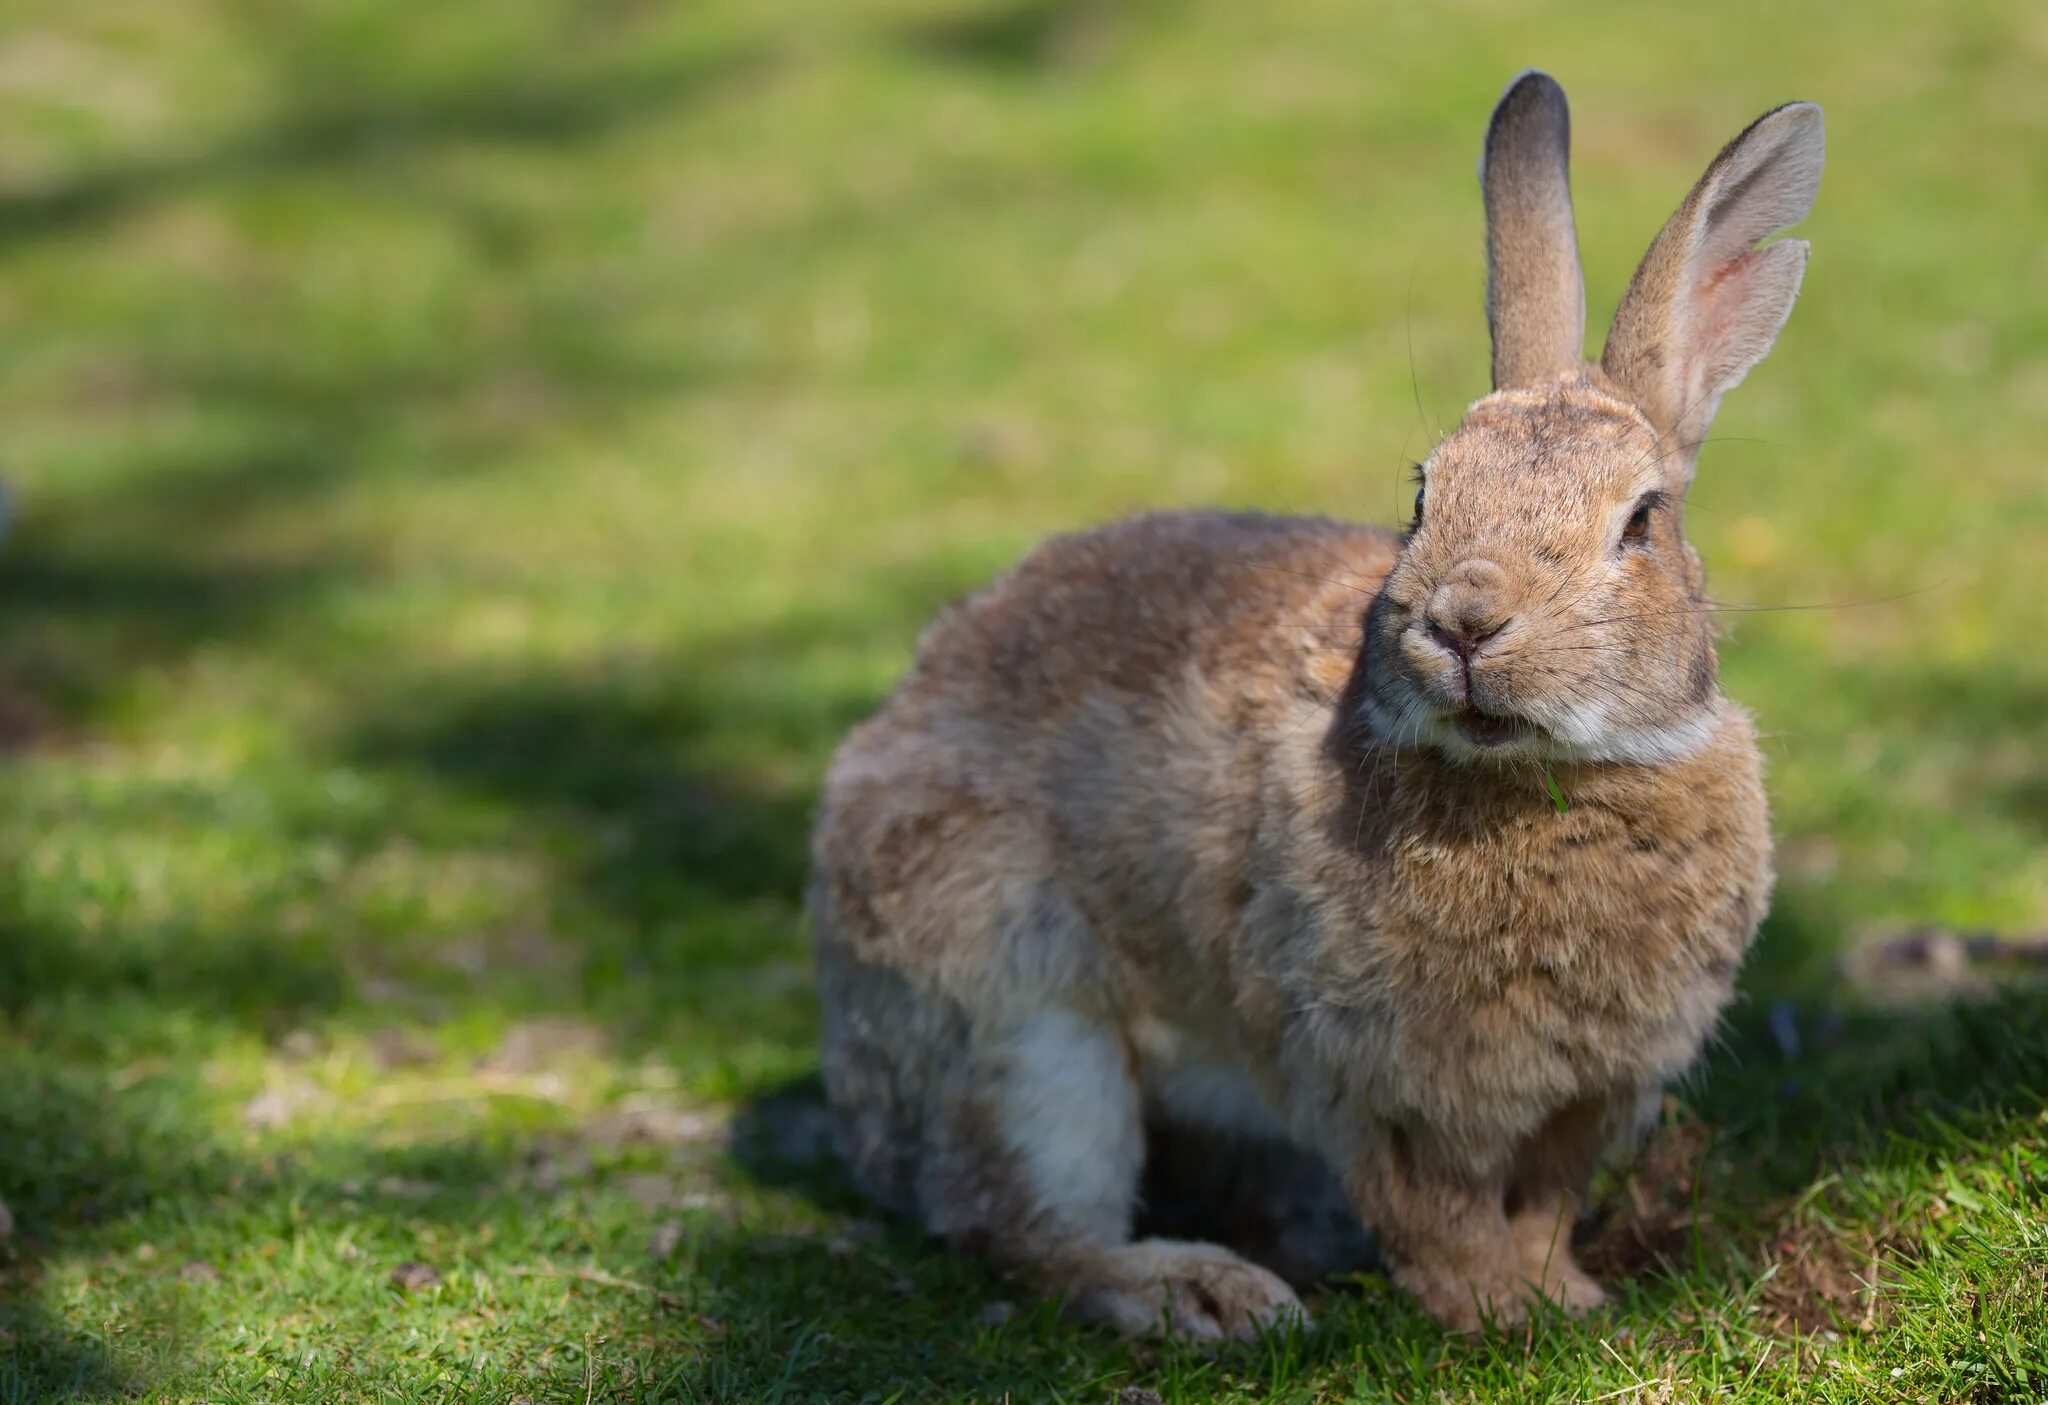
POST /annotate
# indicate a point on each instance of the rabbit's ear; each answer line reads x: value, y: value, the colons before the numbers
x: 1535, y: 294
x: 1707, y: 303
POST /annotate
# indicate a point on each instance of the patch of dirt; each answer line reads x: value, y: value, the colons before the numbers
x: 411, y: 1277
x: 393, y: 1047
x: 553, y: 1164
x: 279, y: 1104
x: 1650, y: 1225
x: 526, y: 949
x: 1816, y: 1279
x: 650, y: 1190
x: 557, y: 1160
x: 1821, y: 1281
x: 649, y: 1119
x: 665, y: 1240
x: 301, y: 1046
x: 535, y: 1046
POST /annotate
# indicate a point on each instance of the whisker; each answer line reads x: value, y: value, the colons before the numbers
x: 1717, y: 607
x: 1537, y: 651
x: 1414, y: 383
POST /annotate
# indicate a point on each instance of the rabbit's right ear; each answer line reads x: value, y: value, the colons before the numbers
x: 1535, y: 293
x: 1707, y: 303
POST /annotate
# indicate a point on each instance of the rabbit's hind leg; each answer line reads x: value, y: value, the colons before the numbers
x: 1039, y: 1150
x: 976, y: 1071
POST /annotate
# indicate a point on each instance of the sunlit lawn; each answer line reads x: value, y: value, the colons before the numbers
x: 473, y: 460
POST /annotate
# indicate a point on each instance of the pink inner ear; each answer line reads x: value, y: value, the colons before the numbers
x: 1716, y: 300
x: 1735, y: 315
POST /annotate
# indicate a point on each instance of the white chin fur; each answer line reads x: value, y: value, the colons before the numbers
x: 1570, y: 734
x: 1591, y: 739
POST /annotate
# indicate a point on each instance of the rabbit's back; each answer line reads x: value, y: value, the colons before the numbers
x: 1138, y: 609
x: 1107, y: 707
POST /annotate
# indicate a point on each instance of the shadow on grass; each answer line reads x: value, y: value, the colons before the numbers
x: 674, y: 797
x: 1020, y: 35
x: 88, y: 617
x: 339, y: 122
x: 67, y: 1166
x: 617, y: 767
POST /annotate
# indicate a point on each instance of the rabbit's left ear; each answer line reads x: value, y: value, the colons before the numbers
x: 1707, y: 303
x: 1535, y: 293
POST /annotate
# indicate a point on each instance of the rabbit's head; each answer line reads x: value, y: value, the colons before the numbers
x: 1547, y: 603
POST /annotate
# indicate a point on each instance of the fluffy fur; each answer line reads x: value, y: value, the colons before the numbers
x: 1240, y: 826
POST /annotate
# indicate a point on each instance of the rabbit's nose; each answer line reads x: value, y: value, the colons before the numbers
x: 1463, y: 640
x: 1466, y: 609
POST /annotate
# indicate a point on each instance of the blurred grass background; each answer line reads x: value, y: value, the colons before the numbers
x: 472, y: 461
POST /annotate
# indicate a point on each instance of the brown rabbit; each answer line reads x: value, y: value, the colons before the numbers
x: 1431, y: 855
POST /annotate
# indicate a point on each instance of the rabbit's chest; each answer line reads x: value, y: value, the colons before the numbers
x: 1594, y: 957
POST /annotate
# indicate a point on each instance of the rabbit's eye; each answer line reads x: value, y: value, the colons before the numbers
x: 1638, y: 527
x: 1417, y: 521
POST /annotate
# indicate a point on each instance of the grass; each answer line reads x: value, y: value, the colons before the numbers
x: 474, y: 460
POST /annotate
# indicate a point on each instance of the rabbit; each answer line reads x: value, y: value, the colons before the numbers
x: 1431, y: 854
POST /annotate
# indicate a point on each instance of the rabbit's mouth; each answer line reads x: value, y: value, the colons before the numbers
x: 1489, y: 729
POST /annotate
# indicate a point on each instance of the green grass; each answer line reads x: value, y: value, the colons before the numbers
x: 473, y: 460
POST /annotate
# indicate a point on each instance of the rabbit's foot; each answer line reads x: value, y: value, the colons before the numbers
x: 1569, y: 1286
x: 1199, y: 1291
x: 1543, y: 1235
x: 1467, y: 1303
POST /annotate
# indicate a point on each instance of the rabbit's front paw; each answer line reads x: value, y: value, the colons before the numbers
x: 1467, y: 1303
x: 1569, y: 1286
x: 1543, y: 1244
